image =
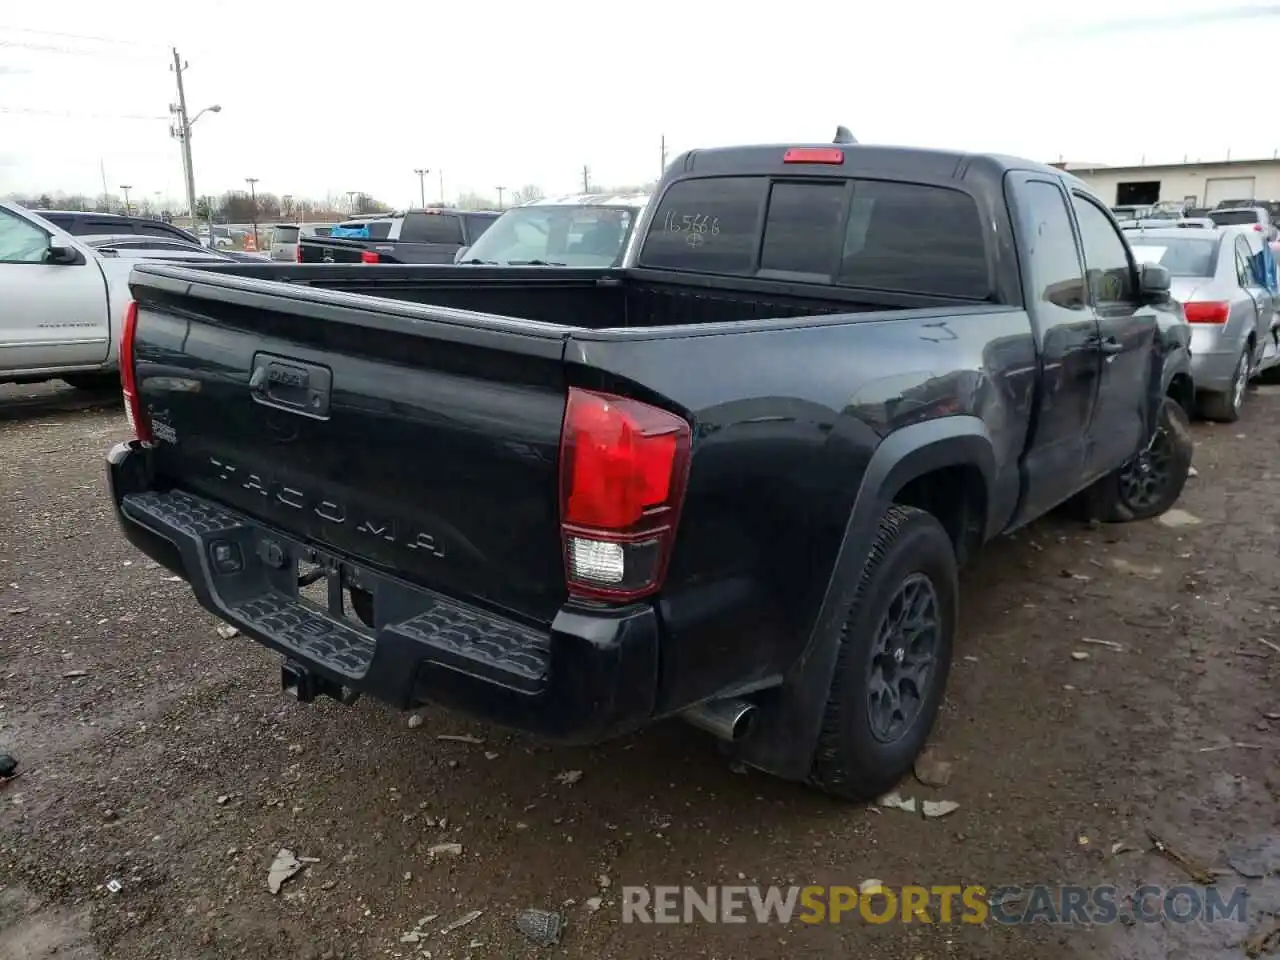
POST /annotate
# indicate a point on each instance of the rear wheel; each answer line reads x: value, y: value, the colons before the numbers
x: 1225, y: 407
x: 894, y: 657
x: 1151, y: 482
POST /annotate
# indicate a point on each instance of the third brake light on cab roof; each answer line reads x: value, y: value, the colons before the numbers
x: 826, y: 155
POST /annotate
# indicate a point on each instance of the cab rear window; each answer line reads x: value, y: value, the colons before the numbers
x: 884, y: 235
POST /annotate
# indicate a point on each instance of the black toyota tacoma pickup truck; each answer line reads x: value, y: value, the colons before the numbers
x: 731, y: 481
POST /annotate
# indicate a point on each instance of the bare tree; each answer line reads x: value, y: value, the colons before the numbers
x: 476, y: 201
x: 628, y: 189
x: 527, y: 193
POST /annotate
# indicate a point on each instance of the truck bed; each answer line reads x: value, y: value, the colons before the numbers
x: 581, y: 298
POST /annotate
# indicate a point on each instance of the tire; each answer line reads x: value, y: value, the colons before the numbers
x: 92, y: 381
x: 851, y: 760
x: 1115, y: 497
x: 1225, y: 407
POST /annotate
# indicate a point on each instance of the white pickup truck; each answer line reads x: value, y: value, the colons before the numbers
x: 62, y: 297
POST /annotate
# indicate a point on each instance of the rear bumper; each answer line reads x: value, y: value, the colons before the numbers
x: 591, y: 676
x: 1213, y: 362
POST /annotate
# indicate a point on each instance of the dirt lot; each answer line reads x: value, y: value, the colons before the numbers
x: 160, y: 756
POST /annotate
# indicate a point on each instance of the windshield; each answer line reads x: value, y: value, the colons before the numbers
x: 1182, y: 257
x: 1224, y: 218
x: 571, y: 236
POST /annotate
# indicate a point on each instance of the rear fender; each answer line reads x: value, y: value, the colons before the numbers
x: 790, y: 716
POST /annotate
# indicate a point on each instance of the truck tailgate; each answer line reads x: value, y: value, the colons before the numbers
x: 412, y: 438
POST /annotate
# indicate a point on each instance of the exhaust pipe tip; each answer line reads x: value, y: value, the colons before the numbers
x: 727, y: 720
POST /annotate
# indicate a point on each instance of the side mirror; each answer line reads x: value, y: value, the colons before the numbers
x: 58, y: 253
x: 1154, y: 282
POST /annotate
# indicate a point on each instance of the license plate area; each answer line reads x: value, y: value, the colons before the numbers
x: 335, y: 588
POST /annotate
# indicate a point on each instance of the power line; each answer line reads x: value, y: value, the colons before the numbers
x: 82, y: 116
x: 78, y: 36
x: 68, y: 51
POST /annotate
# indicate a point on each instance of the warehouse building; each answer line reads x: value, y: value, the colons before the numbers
x: 1197, y: 184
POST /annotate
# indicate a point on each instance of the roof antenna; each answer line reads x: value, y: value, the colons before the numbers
x: 843, y: 135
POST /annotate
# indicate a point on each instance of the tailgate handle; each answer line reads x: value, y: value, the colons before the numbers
x: 292, y: 385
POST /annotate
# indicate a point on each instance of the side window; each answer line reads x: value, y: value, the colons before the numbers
x: 158, y: 230
x: 915, y: 238
x: 105, y: 227
x: 21, y: 241
x: 1056, y: 274
x: 802, y: 229
x: 1244, y: 264
x: 476, y: 226
x: 1106, y: 258
x: 430, y: 228
x: 707, y: 225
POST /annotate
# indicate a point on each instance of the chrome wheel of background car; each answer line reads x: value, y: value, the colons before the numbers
x: 903, y: 659
x: 1144, y: 480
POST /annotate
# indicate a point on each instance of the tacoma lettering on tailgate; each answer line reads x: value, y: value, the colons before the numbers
x: 331, y: 511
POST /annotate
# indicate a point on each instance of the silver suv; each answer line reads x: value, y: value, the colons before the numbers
x: 284, y: 238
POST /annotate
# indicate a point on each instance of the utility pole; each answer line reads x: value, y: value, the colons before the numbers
x: 106, y: 194
x: 351, y: 201
x: 253, y: 207
x: 586, y: 179
x: 126, y: 188
x: 422, y: 184
x: 181, y: 131
x: 184, y: 135
x: 663, y: 168
x: 441, y: 172
x: 500, y: 191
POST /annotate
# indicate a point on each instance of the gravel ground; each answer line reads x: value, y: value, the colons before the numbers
x: 161, y: 761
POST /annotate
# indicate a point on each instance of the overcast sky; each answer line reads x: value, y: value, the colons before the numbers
x: 324, y: 98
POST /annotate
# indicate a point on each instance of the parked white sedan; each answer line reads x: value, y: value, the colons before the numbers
x: 61, y: 298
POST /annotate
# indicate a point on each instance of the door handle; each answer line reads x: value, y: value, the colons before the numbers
x: 1108, y: 347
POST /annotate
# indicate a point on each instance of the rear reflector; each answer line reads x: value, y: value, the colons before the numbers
x: 1207, y: 311
x: 813, y: 155
x: 369, y: 256
x: 138, y: 419
x: 623, y: 467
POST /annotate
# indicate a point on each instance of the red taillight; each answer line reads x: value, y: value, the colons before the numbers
x: 138, y: 418
x: 813, y: 155
x: 297, y: 252
x: 623, y: 466
x: 1257, y: 228
x: 1207, y: 311
x: 369, y: 256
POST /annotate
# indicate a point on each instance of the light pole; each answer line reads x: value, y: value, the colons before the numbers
x: 126, y: 188
x: 500, y: 191
x: 253, y: 208
x: 351, y: 201
x: 422, y: 184
x: 183, y: 132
